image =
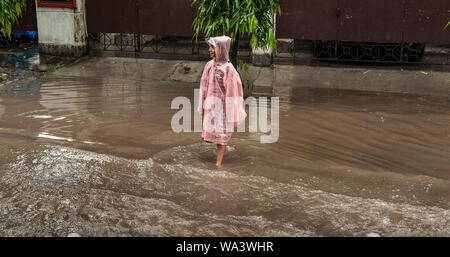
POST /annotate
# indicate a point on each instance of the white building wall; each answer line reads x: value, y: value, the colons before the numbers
x: 62, y: 29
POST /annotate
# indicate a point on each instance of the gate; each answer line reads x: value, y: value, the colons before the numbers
x: 146, y: 28
x: 141, y: 28
x: 369, y: 30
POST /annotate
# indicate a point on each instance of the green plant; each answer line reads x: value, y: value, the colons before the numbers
x: 52, y: 69
x: 236, y: 18
x: 448, y: 24
x: 10, y: 12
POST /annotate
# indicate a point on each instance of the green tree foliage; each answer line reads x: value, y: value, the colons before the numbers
x: 236, y: 18
x: 10, y: 12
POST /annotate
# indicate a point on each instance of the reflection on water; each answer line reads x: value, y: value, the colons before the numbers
x: 97, y: 157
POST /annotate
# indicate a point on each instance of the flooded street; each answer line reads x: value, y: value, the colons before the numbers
x: 97, y: 156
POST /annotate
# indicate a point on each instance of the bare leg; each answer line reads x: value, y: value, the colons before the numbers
x: 220, y: 152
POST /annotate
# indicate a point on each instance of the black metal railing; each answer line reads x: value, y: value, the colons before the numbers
x: 301, y: 51
x: 289, y: 51
x: 155, y: 46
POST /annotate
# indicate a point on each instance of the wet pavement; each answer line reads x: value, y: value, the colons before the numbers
x: 95, y: 155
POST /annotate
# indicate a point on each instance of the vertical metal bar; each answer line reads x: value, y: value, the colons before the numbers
x: 401, y: 51
x: 357, y: 50
x: 104, y: 41
x: 295, y: 50
x: 335, y: 49
x: 139, y: 42
x: 121, y: 42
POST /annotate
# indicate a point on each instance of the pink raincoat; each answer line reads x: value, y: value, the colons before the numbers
x: 221, y: 95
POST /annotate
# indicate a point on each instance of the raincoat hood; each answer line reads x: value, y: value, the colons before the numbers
x: 221, y: 47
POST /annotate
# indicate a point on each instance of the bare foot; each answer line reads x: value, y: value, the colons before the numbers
x: 220, y: 152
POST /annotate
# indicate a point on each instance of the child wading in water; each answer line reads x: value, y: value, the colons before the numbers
x: 221, y: 97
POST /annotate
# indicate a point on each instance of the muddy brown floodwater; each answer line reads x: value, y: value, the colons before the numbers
x: 97, y: 157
